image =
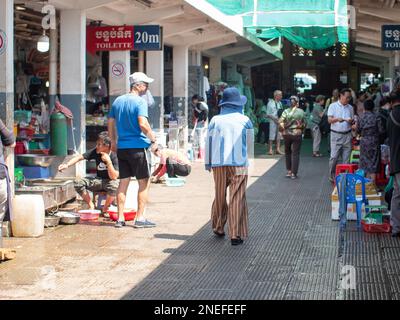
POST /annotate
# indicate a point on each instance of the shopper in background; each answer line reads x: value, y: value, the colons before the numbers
x: 383, y: 114
x: 7, y: 139
x: 369, y: 127
x: 292, y: 124
x: 274, y: 109
x: 333, y: 99
x: 316, y: 117
x: 393, y: 130
x: 263, y: 123
x: 340, y: 116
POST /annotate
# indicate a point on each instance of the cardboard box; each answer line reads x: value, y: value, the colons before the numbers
x: 374, y: 199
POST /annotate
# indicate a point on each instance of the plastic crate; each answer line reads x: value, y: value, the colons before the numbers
x: 36, y: 172
x: 376, y: 228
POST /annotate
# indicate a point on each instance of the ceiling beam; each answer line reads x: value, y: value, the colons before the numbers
x: 60, y: 4
x: 106, y: 15
x: 234, y: 50
x: 259, y: 62
x: 367, y: 62
x: 248, y: 57
x: 216, y: 43
x: 92, y: 4
x: 391, y: 14
x: 374, y: 36
x: 373, y: 51
x: 367, y: 56
x: 135, y: 16
x: 174, y: 29
x: 205, y: 37
x: 369, y: 42
x: 370, y: 25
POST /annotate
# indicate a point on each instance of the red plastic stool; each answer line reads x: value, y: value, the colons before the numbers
x: 346, y: 168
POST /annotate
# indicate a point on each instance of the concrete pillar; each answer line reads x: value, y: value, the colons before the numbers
x: 196, y: 82
x: 118, y: 75
x: 7, y: 62
x: 53, y: 81
x: 141, y: 61
x: 181, y: 85
x: 386, y: 71
x: 73, y: 75
x: 155, y: 70
x: 215, y: 69
x: 7, y: 72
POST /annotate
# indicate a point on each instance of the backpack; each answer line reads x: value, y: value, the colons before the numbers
x: 324, y: 125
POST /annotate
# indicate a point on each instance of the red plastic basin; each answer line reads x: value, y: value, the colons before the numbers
x: 89, y: 215
x: 129, y: 215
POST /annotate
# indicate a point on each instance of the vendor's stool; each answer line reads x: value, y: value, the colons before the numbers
x: 101, y: 196
x: 346, y: 186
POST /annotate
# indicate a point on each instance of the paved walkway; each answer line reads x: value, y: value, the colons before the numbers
x: 294, y: 250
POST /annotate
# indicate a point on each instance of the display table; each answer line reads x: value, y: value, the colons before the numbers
x: 54, y: 192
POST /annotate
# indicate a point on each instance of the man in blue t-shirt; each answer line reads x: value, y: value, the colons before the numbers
x: 128, y: 121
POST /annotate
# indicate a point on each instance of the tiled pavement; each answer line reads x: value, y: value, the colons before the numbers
x: 294, y: 250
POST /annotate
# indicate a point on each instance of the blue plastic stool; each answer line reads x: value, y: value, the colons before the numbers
x: 346, y: 184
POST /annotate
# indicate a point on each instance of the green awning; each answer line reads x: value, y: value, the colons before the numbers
x: 311, y: 24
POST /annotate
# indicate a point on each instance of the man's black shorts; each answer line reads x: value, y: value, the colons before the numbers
x: 133, y: 163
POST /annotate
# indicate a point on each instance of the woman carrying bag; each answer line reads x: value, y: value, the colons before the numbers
x: 292, y: 124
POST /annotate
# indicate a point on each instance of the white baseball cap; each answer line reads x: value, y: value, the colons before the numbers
x: 139, y: 77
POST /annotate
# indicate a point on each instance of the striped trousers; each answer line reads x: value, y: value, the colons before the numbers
x: 236, y: 212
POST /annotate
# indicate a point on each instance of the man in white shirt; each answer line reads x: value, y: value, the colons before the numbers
x: 340, y: 116
x: 273, y: 108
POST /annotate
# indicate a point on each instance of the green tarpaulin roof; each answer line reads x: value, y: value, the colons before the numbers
x: 311, y: 24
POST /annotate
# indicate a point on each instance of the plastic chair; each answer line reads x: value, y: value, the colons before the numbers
x: 355, y: 156
x: 347, y: 195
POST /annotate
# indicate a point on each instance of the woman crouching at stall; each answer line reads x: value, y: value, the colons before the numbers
x: 171, y: 162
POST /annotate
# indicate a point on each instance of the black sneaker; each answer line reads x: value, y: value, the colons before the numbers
x: 120, y: 224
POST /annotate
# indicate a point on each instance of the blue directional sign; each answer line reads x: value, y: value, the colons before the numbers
x: 391, y: 37
x: 147, y: 38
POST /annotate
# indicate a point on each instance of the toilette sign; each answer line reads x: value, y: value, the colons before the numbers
x: 121, y: 38
x: 391, y: 37
x: 115, y: 38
